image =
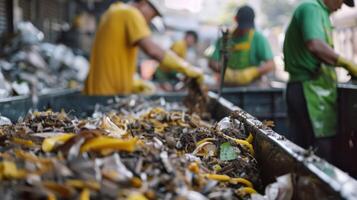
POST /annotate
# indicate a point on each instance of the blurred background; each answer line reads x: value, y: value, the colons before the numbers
x: 80, y: 17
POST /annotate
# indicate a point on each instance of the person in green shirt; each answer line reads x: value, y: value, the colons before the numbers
x: 249, y: 52
x: 310, y: 60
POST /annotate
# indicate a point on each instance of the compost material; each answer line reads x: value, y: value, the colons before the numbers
x: 131, y: 149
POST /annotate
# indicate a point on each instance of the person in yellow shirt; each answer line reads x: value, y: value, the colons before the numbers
x: 180, y: 47
x: 122, y: 30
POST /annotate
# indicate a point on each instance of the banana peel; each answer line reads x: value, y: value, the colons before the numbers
x: 244, y: 143
x: 51, y: 196
x: 102, y: 143
x: 9, y: 170
x: 250, y: 138
x: 217, y: 177
x: 49, y: 144
x: 241, y: 181
x: 23, y: 142
x: 81, y: 184
x: 225, y: 178
x: 205, y: 140
x: 85, y: 195
x: 246, y: 191
x: 137, y: 196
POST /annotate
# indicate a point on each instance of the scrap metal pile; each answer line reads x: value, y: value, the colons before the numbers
x: 132, y: 149
x: 28, y: 65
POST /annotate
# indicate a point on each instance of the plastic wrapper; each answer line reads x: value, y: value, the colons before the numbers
x: 29, y: 34
x: 282, y: 189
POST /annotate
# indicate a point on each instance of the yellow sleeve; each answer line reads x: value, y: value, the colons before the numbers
x: 136, y: 26
x: 179, y: 47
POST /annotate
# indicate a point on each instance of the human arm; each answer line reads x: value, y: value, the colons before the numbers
x: 266, y: 67
x: 315, y: 34
x: 322, y: 51
x: 169, y: 60
x: 327, y: 55
x: 214, y: 65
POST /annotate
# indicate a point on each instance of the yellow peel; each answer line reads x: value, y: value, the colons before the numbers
x: 9, y: 170
x: 51, y: 196
x: 107, y: 143
x: 85, y: 195
x: 50, y: 143
x: 241, y: 181
x: 246, y: 144
x: 137, y: 196
x: 205, y: 140
x: 93, y: 185
x: 225, y: 178
x: 246, y: 190
x: 217, y: 177
x: 22, y: 142
x: 238, y: 141
x: 250, y: 138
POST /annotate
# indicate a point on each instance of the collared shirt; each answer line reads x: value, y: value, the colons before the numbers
x: 310, y: 21
x: 114, y: 53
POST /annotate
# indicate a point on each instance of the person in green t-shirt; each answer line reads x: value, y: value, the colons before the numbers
x: 249, y: 52
x: 310, y: 60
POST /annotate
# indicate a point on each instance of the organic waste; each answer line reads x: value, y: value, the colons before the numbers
x: 132, y: 149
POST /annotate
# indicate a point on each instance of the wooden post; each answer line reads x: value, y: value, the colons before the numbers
x: 10, y: 16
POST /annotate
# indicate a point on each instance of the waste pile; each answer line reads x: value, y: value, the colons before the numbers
x: 132, y: 149
x: 31, y: 66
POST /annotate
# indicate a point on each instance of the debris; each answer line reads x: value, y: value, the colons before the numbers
x: 130, y: 149
x: 28, y: 65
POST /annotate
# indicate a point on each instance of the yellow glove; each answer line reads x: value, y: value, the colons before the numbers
x: 143, y: 87
x: 175, y: 63
x: 242, y: 76
x: 348, y: 65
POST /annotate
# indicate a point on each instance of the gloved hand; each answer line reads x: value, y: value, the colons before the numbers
x: 348, y: 65
x: 143, y: 87
x: 241, y: 76
x: 173, y: 62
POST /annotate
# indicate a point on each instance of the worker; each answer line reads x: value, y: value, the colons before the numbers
x: 249, y: 53
x: 71, y: 37
x: 310, y: 60
x: 179, y: 47
x: 122, y: 29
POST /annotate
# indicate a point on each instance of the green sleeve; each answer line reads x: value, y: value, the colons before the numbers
x: 216, y: 56
x: 310, y: 22
x: 264, y: 52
